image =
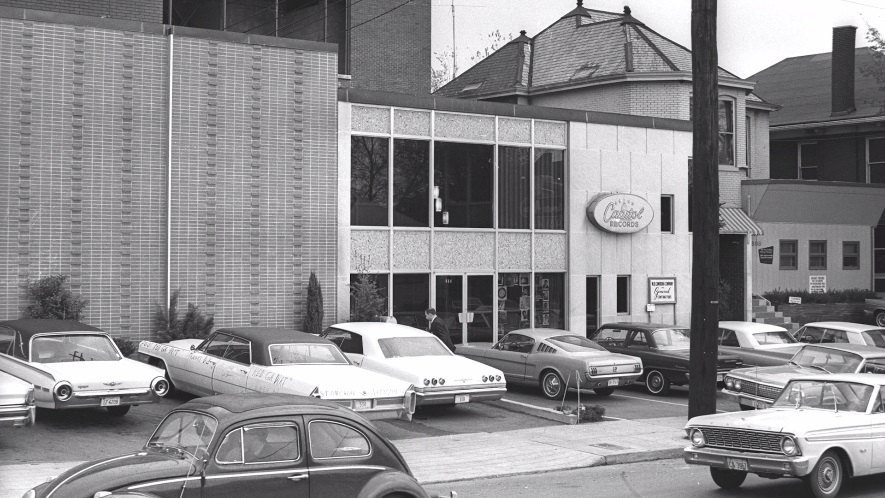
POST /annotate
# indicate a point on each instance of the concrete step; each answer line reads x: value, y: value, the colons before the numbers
x: 768, y: 314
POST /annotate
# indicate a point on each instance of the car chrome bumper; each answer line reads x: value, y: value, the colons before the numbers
x: 757, y: 463
x: 18, y: 416
x: 602, y: 381
x: 90, y: 399
x: 447, y: 396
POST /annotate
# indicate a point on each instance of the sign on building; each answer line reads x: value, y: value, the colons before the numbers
x: 620, y: 213
x: 662, y: 290
x: 817, y: 284
x: 766, y: 255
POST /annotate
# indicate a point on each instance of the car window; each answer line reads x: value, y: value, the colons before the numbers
x: 876, y: 366
x: 774, y: 337
x: 399, y: 347
x: 834, y: 336
x: 336, y: 440
x: 349, y: 342
x: 810, y: 335
x: 239, y: 350
x: 217, y: 344
x: 306, y: 353
x: 638, y: 339
x: 7, y: 338
x: 873, y: 337
x: 827, y: 359
x: 728, y: 338
x: 609, y: 337
x: 73, y: 347
x: 260, y: 443
x: 575, y: 343
x: 518, y: 343
x: 671, y: 339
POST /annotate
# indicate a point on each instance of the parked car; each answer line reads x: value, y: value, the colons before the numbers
x: 73, y: 365
x: 420, y: 358
x: 17, y: 406
x: 555, y: 360
x: 271, y: 360
x: 664, y: 350
x: 874, y: 310
x: 818, y: 429
x: 758, y: 387
x: 841, y: 332
x: 263, y: 445
x: 757, y: 344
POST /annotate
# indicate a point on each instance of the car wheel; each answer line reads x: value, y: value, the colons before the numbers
x: 604, y: 391
x: 551, y: 384
x: 880, y: 318
x: 657, y: 383
x: 826, y: 477
x: 727, y: 479
x: 118, y: 411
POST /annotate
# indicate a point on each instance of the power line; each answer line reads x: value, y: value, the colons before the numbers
x: 380, y: 15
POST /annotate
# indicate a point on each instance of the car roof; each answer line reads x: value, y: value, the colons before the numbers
x: 29, y: 327
x: 861, y: 349
x: 645, y: 326
x: 380, y: 329
x: 751, y: 326
x: 262, y: 337
x: 228, y: 408
x: 542, y: 333
x: 849, y: 326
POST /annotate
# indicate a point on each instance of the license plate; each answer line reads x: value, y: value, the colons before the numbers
x: 759, y: 405
x: 462, y: 398
x: 737, y: 464
x: 720, y: 377
x: 115, y: 401
x: 362, y: 404
x: 613, y: 382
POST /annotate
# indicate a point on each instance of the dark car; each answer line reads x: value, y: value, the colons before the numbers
x: 664, y: 350
x: 261, y: 445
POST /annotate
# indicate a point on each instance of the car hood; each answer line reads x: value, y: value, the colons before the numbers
x: 104, y: 375
x: 797, y: 421
x: 118, y: 472
x: 345, y: 381
x: 456, y: 370
x: 777, y: 375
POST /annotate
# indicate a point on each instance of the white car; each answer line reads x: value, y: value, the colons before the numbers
x: 418, y: 357
x: 822, y: 429
x: 72, y: 365
x: 757, y: 344
x: 841, y: 332
x: 277, y: 360
x: 17, y: 406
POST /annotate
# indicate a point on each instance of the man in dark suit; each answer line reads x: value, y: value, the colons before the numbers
x: 436, y: 327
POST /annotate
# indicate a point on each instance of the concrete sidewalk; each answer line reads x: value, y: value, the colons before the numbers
x: 478, y: 455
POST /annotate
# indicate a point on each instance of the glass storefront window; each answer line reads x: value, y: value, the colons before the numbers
x: 549, y: 189
x: 368, y: 181
x: 411, y: 297
x: 465, y: 178
x: 514, y: 187
x: 411, y: 175
x: 514, y: 302
x: 368, y: 294
x: 549, y: 300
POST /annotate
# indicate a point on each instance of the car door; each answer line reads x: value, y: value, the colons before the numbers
x: 341, y: 459
x: 509, y: 355
x: 260, y: 458
x: 639, y: 344
x: 877, y: 431
x: 195, y: 373
x: 232, y: 369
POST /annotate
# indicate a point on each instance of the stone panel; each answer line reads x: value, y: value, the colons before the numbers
x: 370, y: 119
x: 515, y: 130
x: 406, y: 122
x: 550, y: 252
x: 411, y: 250
x: 514, y: 251
x: 464, y: 126
x: 550, y: 133
x: 463, y: 251
x: 369, y: 250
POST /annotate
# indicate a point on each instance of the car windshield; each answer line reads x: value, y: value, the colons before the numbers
x: 185, y: 431
x: 835, y: 396
x: 774, y: 337
x: 874, y: 337
x: 672, y: 338
x: 306, y: 353
x: 73, y: 347
x: 399, y: 347
x: 827, y: 360
x: 575, y: 343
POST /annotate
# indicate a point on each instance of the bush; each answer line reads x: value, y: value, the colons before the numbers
x: 49, y: 297
x: 313, y: 318
x: 778, y: 296
x: 169, y: 327
x: 594, y: 413
x: 126, y: 346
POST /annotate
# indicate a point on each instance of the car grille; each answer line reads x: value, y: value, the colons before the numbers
x: 742, y: 440
x: 761, y: 390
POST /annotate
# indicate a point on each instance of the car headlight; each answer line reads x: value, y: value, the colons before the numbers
x: 160, y: 386
x: 737, y: 384
x: 789, y: 446
x: 729, y: 383
x: 697, y: 438
x: 63, y: 391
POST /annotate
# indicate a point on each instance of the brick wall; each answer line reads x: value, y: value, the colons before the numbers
x: 130, y: 10
x: 390, y: 49
x: 663, y: 100
x: 83, y: 163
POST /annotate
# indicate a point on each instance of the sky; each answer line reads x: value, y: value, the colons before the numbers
x: 751, y: 34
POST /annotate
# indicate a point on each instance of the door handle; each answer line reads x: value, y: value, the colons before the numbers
x: 243, y: 371
x: 297, y: 477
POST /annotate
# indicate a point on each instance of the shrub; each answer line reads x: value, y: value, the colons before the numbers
x: 779, y: 296
x: 313, y: 318
x: 366, y: 301
x: 126, y: 346
x: 169, y: 327
x: 594, y: 413
x: 49, y: 297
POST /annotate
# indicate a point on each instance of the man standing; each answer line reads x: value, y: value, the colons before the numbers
x: 437, y: 328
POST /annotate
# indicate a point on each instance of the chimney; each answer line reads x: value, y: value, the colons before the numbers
x: 842, y: 81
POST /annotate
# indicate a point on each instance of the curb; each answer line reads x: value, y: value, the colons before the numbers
x: 643, y: 456
x: 538, y: 411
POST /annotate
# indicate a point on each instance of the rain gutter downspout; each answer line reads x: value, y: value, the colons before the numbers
x: 169, y: 174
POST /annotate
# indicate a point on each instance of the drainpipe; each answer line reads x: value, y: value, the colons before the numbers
x: 169, y: 175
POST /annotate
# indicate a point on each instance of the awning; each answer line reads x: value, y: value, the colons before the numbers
x: 736, y: 221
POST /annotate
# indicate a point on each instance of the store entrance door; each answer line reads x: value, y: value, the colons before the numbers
x: 464, y: 303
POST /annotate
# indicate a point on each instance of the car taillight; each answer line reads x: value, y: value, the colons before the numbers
x: 63, y: 391
x: 160, y: 386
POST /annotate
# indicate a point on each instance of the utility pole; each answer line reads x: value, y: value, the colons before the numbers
x: 454, y: 46
x: 705, y: 210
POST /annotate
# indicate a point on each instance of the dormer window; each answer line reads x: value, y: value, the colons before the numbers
x: 472, y: 86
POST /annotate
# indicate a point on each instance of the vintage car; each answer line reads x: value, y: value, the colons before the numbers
x: 841, y: 332
x: 17, y: 406
x: 555, y: 360
x: 255, y: 444
x: 664, y: 350
x: 822, y: 429
x: 73, y: 365
x: 757, y: 344
x: 269, y: 360
x: 420, y: 358
x: 758, y: 387
x: 874, y: 311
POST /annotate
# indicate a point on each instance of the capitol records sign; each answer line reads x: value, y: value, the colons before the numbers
x: 620, y: 213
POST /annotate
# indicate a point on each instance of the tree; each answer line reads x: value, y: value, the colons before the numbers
x: 443, y: 68
x: 49, y: 297
x: 167, y: 325
x: 366, y: 301
x: 876, y: 69
x: 313, y: 319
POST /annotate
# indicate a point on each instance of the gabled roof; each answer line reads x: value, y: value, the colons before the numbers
x: 801, y: 86
x: 584, y: 47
